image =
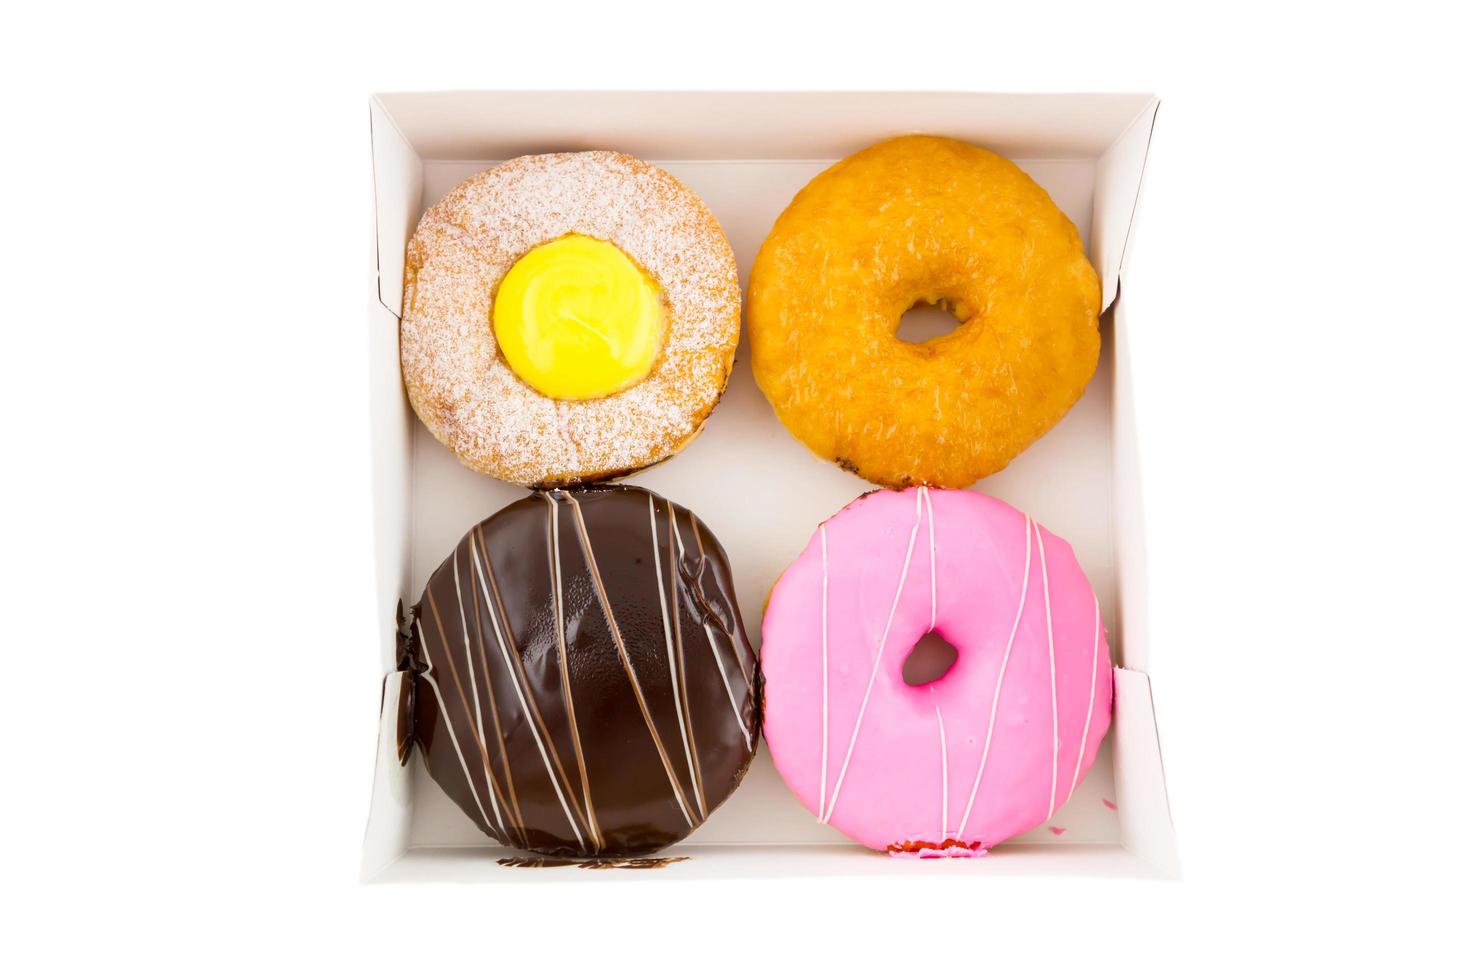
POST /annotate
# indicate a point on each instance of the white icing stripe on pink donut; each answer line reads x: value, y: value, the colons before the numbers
x: 1091, y: 697
x: 877, y: 660
x: 1051, y: 656
x: 1000, y: 679
x: 933, y: 560
x: 822, y: 793
x: 943, y: 778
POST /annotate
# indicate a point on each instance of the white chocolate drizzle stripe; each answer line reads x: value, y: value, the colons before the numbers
x: 873, y: 675
x: 513, y: 805
x: 553, y: 541
x: 735, y: 645
x: 729, y: 692
x: 521, y: 696
x: 507, y: 639
x: 612, y: 625
x: 1091, y: 695
x: 491, y: 786
x: 698, y: 771
x: 479, y: 721
x: 999, y: 680
x: 1051, y: 654
x: 663, y: 606
x: 449, y: 725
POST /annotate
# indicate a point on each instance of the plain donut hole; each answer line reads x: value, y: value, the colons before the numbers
x: 924, y: 322
x: 929, y: 660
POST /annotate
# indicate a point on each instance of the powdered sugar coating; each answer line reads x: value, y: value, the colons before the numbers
x: 461, y: 386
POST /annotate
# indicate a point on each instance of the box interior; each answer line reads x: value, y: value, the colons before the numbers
x: 746, y: 155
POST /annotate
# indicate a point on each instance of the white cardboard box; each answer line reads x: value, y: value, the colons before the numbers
x: 746, y: 154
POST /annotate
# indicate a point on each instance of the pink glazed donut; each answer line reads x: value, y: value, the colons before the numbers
x: 992, y: 748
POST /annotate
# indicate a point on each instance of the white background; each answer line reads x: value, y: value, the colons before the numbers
x: 190, y: 685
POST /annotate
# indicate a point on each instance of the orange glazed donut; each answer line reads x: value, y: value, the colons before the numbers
x: 922, y: 219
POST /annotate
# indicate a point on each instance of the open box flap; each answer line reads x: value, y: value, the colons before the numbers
x: 445, y: 123
x: 391, y: 810
x: 1138, y: 771
x: 1130, y: 543
x: 398, y: 181
x: 753, y: 125
x: 391, y: 424
x: 1119, y: 184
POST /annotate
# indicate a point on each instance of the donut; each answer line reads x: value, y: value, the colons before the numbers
x: 994, y: 746
x: 921, y: 219
x: 568, y: 317
x: 582, y: 681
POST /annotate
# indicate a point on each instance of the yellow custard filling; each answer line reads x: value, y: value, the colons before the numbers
x: 576, y: 318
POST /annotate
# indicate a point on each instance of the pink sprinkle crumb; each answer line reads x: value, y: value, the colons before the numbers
x: 930, y: 853
x: 1110, y: 804
x: 1059, y: 831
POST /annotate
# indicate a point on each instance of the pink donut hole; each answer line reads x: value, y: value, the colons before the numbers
x: 968, y: 756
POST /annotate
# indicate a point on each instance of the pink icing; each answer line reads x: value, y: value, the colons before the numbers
x: 992, y: 748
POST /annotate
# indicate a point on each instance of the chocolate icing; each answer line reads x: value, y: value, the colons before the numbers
x: 591, y: 864
x: 619, y: 753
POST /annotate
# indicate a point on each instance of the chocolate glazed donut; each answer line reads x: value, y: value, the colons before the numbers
x: 583, y: 682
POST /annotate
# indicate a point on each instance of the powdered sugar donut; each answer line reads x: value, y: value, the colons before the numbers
x: 992, y: 748
x: 458, y: 375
